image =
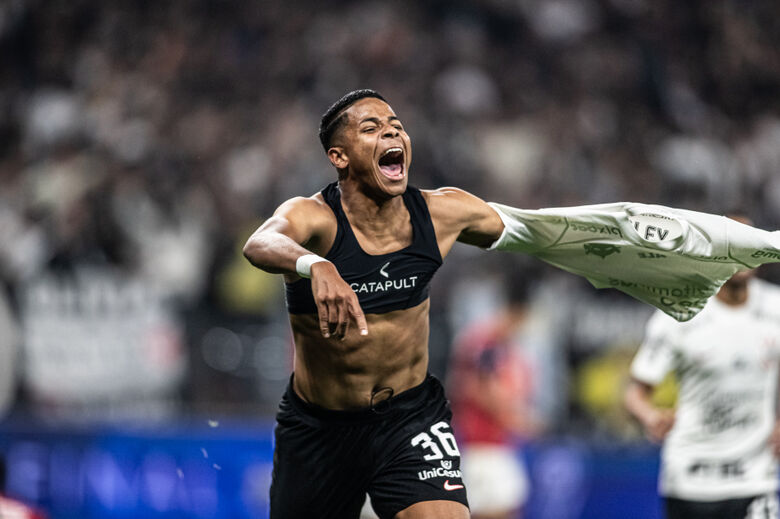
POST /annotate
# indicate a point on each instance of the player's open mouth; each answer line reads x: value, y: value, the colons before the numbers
x: 391, y: 163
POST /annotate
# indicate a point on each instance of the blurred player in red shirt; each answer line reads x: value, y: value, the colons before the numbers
x: 491, y: 390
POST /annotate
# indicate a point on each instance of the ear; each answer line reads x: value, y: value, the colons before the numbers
x: 338, y: 157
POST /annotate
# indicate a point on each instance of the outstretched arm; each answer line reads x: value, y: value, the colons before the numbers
x: 284, y: 245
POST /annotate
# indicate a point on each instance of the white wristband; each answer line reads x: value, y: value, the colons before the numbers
x: 303, y: 264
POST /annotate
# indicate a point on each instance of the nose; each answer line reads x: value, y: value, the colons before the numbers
x: 390, y: 132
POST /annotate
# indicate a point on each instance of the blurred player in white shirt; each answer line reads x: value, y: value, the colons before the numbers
x: 720, y: 446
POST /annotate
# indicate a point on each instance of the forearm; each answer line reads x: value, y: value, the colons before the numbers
x: 273, y: 252
x: 638, y: 403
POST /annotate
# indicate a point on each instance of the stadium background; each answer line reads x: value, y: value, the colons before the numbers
x: 141, y: 358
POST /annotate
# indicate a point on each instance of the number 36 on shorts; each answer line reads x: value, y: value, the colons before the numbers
x: 443, y: 438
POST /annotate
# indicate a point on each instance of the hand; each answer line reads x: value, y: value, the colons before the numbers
x: 774, y: 439
x: 658, y: 423
x: 336, y: 302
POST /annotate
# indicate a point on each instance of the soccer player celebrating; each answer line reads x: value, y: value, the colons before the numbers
x: 720, y: 446
x: 361, y: 413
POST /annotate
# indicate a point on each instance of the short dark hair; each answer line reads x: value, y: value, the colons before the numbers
x: 334, y: 118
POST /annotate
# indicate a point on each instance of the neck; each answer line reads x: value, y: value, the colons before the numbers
x: 366, y: 206
x: 733, y: 293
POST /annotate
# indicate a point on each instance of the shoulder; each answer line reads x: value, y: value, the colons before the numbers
x: 312, y: 208
x: 307, y: 220
x: 767, y: 290
x: 766, y: 297
x: 453, y: 203
x: 448, y: 195
x: 660, y: 325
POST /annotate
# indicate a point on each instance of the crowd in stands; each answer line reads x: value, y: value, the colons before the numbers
x: 142, y: 142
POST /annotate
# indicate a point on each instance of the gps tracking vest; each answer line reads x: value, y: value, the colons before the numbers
x: 383, y: 282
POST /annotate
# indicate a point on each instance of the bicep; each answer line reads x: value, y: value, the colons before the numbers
x: 468, y: 217
x: 297, y: 227
x: 484, y: 226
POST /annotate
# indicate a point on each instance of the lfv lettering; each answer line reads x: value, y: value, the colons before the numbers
x: 653, y: 232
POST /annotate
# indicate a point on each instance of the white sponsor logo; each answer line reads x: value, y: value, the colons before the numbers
x: 448, y: 486
x: 384, y: 285
x: 438, y: 472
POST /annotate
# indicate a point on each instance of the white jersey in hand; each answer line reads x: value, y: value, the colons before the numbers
x: 726, y: 365
x: 670, y: 258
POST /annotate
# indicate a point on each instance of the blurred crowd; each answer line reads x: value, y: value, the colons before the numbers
x: 142, y: 142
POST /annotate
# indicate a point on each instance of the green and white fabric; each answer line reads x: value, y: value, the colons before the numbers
x: 673, y: 259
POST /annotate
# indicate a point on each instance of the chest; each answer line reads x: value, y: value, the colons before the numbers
x: 378, y: 242
x: 400, y: 255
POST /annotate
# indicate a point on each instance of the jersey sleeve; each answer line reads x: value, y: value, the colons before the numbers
x: 655, y: 356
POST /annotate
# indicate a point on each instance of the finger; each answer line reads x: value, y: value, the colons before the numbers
x: 341, y: 316
x: 357, y: 314
x: 322, y: 310
x: 345, y: 320
x: 333, y: 318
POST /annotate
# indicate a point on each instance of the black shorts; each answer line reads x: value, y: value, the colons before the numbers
x: 401, y: 452
x: 755, y: 507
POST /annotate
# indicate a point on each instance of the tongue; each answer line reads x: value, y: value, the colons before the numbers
x: 392, y: 170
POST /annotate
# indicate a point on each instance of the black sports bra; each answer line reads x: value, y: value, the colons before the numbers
x: 383, y: 282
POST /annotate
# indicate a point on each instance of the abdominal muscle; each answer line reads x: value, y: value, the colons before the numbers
x: 361, y: 370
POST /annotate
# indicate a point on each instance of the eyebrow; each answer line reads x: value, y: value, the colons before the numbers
x: 377, y: 121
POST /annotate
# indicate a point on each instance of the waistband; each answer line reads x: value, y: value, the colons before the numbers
x: 408, y: 400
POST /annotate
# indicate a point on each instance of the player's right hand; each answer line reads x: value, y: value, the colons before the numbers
x: 658, y: 423
x: 336, y: 302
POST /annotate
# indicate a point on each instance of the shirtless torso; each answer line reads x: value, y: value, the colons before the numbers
x: 344, y: 370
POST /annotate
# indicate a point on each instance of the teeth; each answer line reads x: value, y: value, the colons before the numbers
x: 392, y: 150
